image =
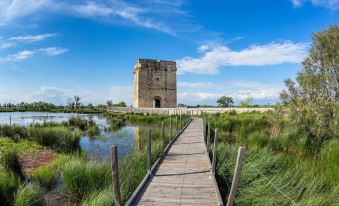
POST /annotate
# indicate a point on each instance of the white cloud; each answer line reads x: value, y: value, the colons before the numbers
x: 331, y: 4
x: 154, y: 14
x: 216, y: 56
x: 53, y: 51
x: 13, y: 9
x: 20, y: 56
x: 238, y: 90
x: 13, y: 41
x: 25, y: 54
x: 32, y: 38
x: 59, y: 95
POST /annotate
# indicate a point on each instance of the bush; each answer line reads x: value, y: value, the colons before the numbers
x: 28, y: 194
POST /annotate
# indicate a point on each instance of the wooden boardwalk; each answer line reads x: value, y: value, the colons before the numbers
x: 183, y: 177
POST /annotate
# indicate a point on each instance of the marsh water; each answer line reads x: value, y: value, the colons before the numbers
x: 97, y: 148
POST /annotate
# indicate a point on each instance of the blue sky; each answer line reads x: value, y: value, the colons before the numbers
x: 54, y: 49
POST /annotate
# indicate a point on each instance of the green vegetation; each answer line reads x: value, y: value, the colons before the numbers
x: 9, y: 183
x: 49, y: 107
x: 225, y: 101
x: 46, y: 175
x: 91, y: 182
x: 59, y: 138
x: 28, y: 194
x: 292, y: 153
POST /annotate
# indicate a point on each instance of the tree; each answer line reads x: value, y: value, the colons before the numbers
x: 76, y: 102
x: 247, y: 102
x: 121, y: 104
x: 313, y: 101
x: 225, y: 101
x: 109, y: 103
x: 70, y: 103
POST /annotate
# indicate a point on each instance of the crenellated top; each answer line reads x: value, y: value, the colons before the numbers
x: 155, y: 64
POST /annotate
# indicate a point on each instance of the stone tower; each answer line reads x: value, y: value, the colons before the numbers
x: 155, y: 84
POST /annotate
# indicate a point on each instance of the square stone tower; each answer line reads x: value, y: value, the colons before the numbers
x: 155, y: 84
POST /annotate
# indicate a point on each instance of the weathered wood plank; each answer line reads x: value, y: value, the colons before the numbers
x: 184, y: 176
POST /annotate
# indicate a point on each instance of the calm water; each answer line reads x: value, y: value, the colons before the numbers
x: 128, y: 138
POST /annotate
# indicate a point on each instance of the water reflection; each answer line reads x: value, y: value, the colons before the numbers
x: 128, y: 138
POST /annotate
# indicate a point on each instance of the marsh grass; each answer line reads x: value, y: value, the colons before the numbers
x: 9, y: 183
x: 28, y: 194
x: 82, y: 178
x: 58, y: 138
x: 90, y: 183
x: 278, y: 170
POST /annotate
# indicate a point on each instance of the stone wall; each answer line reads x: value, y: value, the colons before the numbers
x: 155, y: 80
x: 194, y: 111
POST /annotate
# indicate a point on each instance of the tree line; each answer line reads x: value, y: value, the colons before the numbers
x: 72, y: 105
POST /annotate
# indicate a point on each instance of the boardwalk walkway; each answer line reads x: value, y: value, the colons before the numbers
x: 183, y: 177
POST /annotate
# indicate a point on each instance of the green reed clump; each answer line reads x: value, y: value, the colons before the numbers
x: 58, y: 138
x: 79, y: 123
x: 104, y: 197
x: 45, y: 175
x: 9, y: 183
x: 117, y: 123
x: 91, y: 182
x: 15, y: 132
x: 82, y: 178
x: 28, y: 194
x: 10, y: 160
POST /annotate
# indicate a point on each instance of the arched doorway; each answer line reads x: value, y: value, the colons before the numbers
x: 156, y: 102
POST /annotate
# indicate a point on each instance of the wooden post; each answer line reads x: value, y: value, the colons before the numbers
x: 208, y: 135
x: 170, y: 138
x: 115, y: 175
x: 10, y: 120
x: 180, y: 121
x: 163, y: 135
x: 204, y: 126
x: 214, y: 150
x: 149, y: 151
x: 176, y: 124
x: 236, y: 176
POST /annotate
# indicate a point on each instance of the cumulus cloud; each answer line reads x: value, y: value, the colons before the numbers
x: 215, y: 57
x: 59, y: 95
x: 238, y: 90
x: 331, y: 4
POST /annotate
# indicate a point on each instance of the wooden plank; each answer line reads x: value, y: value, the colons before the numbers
x: 183, y: 177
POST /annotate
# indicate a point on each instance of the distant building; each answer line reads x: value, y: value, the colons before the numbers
x: 155, y: 84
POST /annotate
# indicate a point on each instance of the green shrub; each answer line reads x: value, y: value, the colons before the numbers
x: 9, y: 182
x: 29, y: 194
